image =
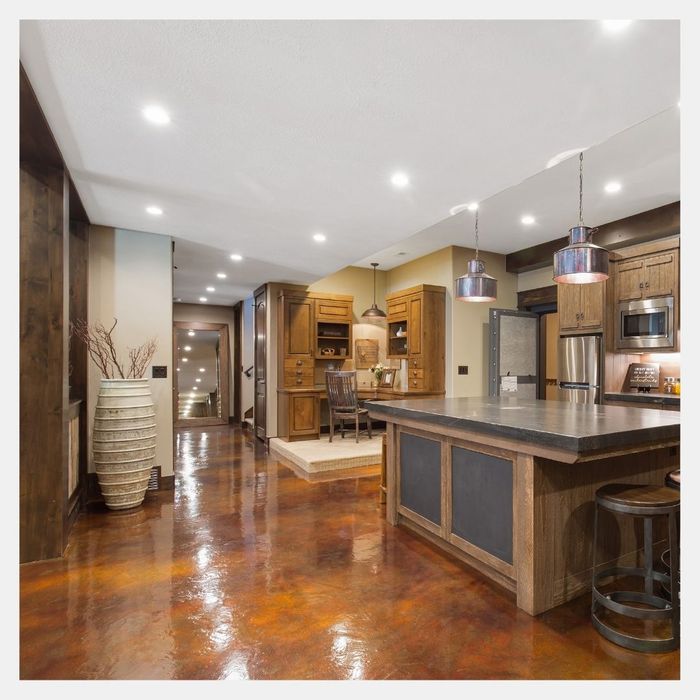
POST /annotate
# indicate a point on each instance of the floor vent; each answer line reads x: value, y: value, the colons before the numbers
x: 154, y: 479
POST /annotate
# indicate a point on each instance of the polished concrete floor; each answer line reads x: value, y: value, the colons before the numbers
x: 252, y: 572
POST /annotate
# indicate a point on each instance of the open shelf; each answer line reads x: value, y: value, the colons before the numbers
x: 335, y: 335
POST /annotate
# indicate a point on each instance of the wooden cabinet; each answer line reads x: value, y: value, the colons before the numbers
x: 646, y: 277
x: 581, y: 307
x: 416, y: 333
x: 296, y: 333
x: 333, y: 335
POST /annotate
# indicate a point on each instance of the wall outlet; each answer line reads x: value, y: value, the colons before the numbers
x: 462, y: 369
x: 159, y: 372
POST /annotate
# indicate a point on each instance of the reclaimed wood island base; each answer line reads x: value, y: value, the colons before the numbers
x: 508, y: 485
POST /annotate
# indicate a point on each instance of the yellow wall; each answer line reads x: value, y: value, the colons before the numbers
x: 536, y: 278
x: 130, y: 279
x: 209, y: 313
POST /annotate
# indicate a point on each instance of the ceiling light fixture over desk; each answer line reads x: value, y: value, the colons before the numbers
x: 374, y: 311
x: 476, y: 285
x: 581, y: 262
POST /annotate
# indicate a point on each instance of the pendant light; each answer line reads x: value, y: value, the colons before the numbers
x: 581, y: 262
x: 374, y: 311
x: 476, y: 285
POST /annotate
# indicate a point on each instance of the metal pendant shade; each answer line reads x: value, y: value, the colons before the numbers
x: 581, y: 262
x: 476, y: 285
x: 374, y: 311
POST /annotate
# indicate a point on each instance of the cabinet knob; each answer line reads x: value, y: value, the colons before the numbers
x: 298, y: 373
x: 641, y: 285
x: 415, y: 363
x: 299, y: 363
x: 646, y: 284
x: 298, y: 381
x: 415, y: 374
x: 415, y: 383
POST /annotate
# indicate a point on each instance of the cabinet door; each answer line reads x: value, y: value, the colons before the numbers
x: 415, y: 325
x: 298, y: 327
x: 333, y: 310
x: 592, y: 307
x: 660, y: 275
x: 629, y: 280
x: 569, y: 306
x: 303, y: 415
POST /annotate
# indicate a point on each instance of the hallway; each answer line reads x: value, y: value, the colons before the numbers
x: 252, y: 572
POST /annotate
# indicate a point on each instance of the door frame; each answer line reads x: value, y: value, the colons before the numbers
x: 224, y: 364
x: 262, y: 290
x: 237, y: 366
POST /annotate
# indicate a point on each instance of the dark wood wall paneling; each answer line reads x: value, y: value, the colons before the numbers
x: 640, y: 228
x: 53, y: 288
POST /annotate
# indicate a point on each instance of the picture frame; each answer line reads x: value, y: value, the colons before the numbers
x: 388, y: 377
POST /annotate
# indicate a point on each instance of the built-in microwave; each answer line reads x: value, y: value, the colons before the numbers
x: 647, y: 323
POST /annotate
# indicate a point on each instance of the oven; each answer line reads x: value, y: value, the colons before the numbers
x: 644, y: 324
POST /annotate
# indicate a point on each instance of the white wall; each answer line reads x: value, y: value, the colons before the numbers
x: 130, y: 278
x: 534, y: 279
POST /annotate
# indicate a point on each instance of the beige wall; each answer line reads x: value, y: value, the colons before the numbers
x: 470, y: 323
x: 130, y: 278
x: 536, y: 278
x: 209, y: 313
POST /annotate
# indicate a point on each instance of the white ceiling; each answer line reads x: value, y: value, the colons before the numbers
x: 284, y: 128
x: 644, y: 159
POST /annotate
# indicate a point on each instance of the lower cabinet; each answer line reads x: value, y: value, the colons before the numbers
x: 298, y: 415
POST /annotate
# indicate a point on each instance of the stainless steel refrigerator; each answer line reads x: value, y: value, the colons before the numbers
x: 580, y: 371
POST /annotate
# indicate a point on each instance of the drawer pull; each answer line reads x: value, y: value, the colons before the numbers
x: 298, y: 373
x: 299, y: 363
x: 298, y: 381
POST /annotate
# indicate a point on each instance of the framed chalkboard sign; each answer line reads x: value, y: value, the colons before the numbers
x: 644, y: 374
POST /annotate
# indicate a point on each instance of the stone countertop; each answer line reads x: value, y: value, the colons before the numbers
x: 651, y: 397
x: 579, y: 428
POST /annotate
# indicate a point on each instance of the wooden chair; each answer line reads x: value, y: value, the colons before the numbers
x: 341, y: 388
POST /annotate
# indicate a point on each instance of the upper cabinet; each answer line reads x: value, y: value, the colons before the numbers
x: 333, y: 327
x: 416, y: 333
x: 646, y: 277
x: 581, y: 308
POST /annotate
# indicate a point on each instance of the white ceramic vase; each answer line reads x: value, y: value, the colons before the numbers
x: 124, y: 441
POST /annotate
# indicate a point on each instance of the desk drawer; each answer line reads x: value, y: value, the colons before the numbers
x: 416, y: 362
x: 414, y: 373
x: 291, y: 363
x: 415, y: 383
x: 299, y: 377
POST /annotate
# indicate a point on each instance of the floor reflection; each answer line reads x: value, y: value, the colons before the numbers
x: 248, y: 571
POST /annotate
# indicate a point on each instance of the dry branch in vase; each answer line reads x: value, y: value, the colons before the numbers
x: 102, y: 351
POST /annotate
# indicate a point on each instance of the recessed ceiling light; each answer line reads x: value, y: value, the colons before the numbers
x: 156, y: 115
x: 613, y: 187
x: 563, y: 156
x: 190, y: 333
x: 473, y: 206
x: 236, y: 257
x: 400, y: 180
x: 221, y: 275
x: 184, y: 359
x: 527, y: 220
x: 153, y: 210
x: 188, y: 348
x: 616, y: 25
x: 470, y: 206
x: 319, y: 237
x: 202, y: 298
x: 201, y: 369
x: 198, y: 379
x: 211, y: 289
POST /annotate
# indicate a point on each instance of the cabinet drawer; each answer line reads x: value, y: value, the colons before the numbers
x: 416, y: 362
x: 302, y: 363
x: 330, y: 310
x: 300, y: 377
x: 414, y: 373
x: 397, y: 308
x: 415, y: 383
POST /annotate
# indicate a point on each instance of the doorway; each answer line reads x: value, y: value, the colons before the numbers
x: 260, y: 362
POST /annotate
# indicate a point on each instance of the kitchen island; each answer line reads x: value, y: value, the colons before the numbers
x: 507, y: 485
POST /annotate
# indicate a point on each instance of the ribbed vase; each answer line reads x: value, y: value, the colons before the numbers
x: 124, y: 441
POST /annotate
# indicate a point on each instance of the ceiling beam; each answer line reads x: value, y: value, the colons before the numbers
x: 639, y: 228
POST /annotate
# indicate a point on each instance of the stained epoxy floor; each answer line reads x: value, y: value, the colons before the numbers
x: 252, y: 572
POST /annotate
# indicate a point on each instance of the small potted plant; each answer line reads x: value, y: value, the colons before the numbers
x: 377, y: 370
x: 124, y: 432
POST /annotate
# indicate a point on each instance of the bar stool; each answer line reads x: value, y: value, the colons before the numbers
x: 646, y: 502
x: 673, y: 481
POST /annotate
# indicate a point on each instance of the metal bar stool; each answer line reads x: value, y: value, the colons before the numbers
x: 646, y: 502
x: 673, y: 481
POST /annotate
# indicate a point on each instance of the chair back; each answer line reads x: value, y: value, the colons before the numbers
x: 341, y: 388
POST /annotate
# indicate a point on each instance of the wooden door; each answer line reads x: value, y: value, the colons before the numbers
x: 568, y: 306
x: 592, y: 305
x: 259, y: 361
x: 629, y: 280
x: 298, y: 327
x: 415, y: 325
x: 660, y: 276
x: 551, y: 346
x: 303, y: 415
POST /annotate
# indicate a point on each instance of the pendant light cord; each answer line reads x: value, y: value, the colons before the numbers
x: 374, y: 286
x: 476, y: 232
x: 580, y: 189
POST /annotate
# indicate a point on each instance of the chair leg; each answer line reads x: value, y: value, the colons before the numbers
x: 369, y: 426
x: 357, y: 427
x: 342, y: 428
x: 332, y: 426
x: 648, y: 558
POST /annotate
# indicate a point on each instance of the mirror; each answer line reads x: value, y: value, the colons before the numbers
x: 201, y: 373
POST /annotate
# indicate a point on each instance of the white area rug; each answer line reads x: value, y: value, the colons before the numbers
x: 322, y: 455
